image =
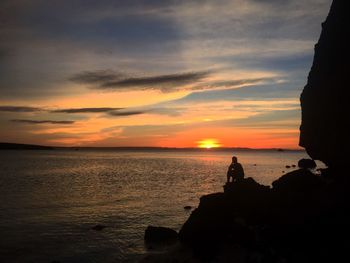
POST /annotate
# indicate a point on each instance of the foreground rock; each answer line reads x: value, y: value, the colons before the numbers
x: 160, y: 235
x: 226, y: 218
x: 298, y: 220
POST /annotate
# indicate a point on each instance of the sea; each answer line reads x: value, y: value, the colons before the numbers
x: 51, y: 199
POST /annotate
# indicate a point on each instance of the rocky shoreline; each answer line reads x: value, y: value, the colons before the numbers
x: 303, y: 217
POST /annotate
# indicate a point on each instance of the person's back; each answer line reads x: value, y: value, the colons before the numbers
x: 235, y: 171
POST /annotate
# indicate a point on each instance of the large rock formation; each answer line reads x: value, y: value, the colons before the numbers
x: 324, y: 132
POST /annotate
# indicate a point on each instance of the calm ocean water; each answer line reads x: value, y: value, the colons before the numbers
x: 51, y: 199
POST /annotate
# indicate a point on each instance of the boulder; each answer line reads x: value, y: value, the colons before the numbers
x: 306, y: 164
x: 301, y: 180
x: 162, y: 235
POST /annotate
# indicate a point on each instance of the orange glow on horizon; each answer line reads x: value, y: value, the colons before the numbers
x: 208, y: 143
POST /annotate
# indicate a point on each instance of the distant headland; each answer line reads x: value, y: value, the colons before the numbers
x: 20, y: 146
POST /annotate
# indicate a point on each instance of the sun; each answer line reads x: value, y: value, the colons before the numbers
x: 208, y: 143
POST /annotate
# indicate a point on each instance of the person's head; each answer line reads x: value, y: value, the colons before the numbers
x: 234, y: 159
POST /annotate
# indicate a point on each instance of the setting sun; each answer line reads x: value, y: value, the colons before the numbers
x: 208, y: 143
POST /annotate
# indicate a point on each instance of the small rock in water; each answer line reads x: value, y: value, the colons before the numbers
x: 98, y: 227
x: 187, y: 207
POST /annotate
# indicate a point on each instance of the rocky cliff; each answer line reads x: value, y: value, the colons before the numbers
x: 324, y: 132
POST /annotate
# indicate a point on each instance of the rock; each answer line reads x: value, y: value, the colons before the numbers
x: 225, y: 217
x: 98, y: 227
x: 323, y: 131
x: 187, y: 207
x: 306, y: 164
x: 293, y: 165
x: 288, y: 166
x: 161, y: 235
x: 301, y: 180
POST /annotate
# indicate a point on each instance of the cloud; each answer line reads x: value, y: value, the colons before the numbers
x: 163, y: 82
x: 125, y: 113
x: 19, y: 109
x: 85, y: 110
x: 230, y: 83
x: 108, y: 80
x: 42, y: 121
x: 254, y: 92
x: 95, y: 77
x: 172, y: 112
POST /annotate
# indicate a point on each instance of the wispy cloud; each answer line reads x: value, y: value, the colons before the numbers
x: 162, y: 82
x: 168, y: 111
x: 108, y: 80
x: 230, y: 83
x: 19, y: 109
x: 95, y: 77
x: 42, y: 121
x: 85, y: 110
x: 125, y: 113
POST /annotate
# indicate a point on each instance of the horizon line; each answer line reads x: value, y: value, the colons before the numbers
x: 150, y: 147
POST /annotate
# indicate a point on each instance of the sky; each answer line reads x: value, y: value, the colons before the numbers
x: 164, y: 73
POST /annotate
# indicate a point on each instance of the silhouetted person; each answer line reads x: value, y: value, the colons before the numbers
x: 235, y: 170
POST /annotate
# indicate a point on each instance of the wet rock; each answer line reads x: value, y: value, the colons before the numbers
x: 163, y: 235
x: 306, y: 164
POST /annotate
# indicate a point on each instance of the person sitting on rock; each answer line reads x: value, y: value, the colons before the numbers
x: 235, y: 170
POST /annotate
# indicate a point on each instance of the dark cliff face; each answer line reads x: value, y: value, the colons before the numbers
x: 325, y: 105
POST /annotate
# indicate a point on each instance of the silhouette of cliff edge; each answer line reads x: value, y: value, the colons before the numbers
x: 324, y: 103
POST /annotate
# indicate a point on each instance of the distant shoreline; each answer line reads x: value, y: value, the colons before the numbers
x: 19, y: 146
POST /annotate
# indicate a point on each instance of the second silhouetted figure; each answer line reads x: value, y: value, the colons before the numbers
x: 235, y: 170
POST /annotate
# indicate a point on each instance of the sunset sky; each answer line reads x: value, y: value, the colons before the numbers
x: 155, y: 72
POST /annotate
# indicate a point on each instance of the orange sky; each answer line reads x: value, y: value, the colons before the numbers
x: 158, y: 73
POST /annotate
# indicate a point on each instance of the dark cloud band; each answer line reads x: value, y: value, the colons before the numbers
x: 125, y: 113
x: 117, y: 81
x: 19, y: 109
x: 167, y: 80
x: 42, y: 122
x: 85, y: 110
x: 95, y: 77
